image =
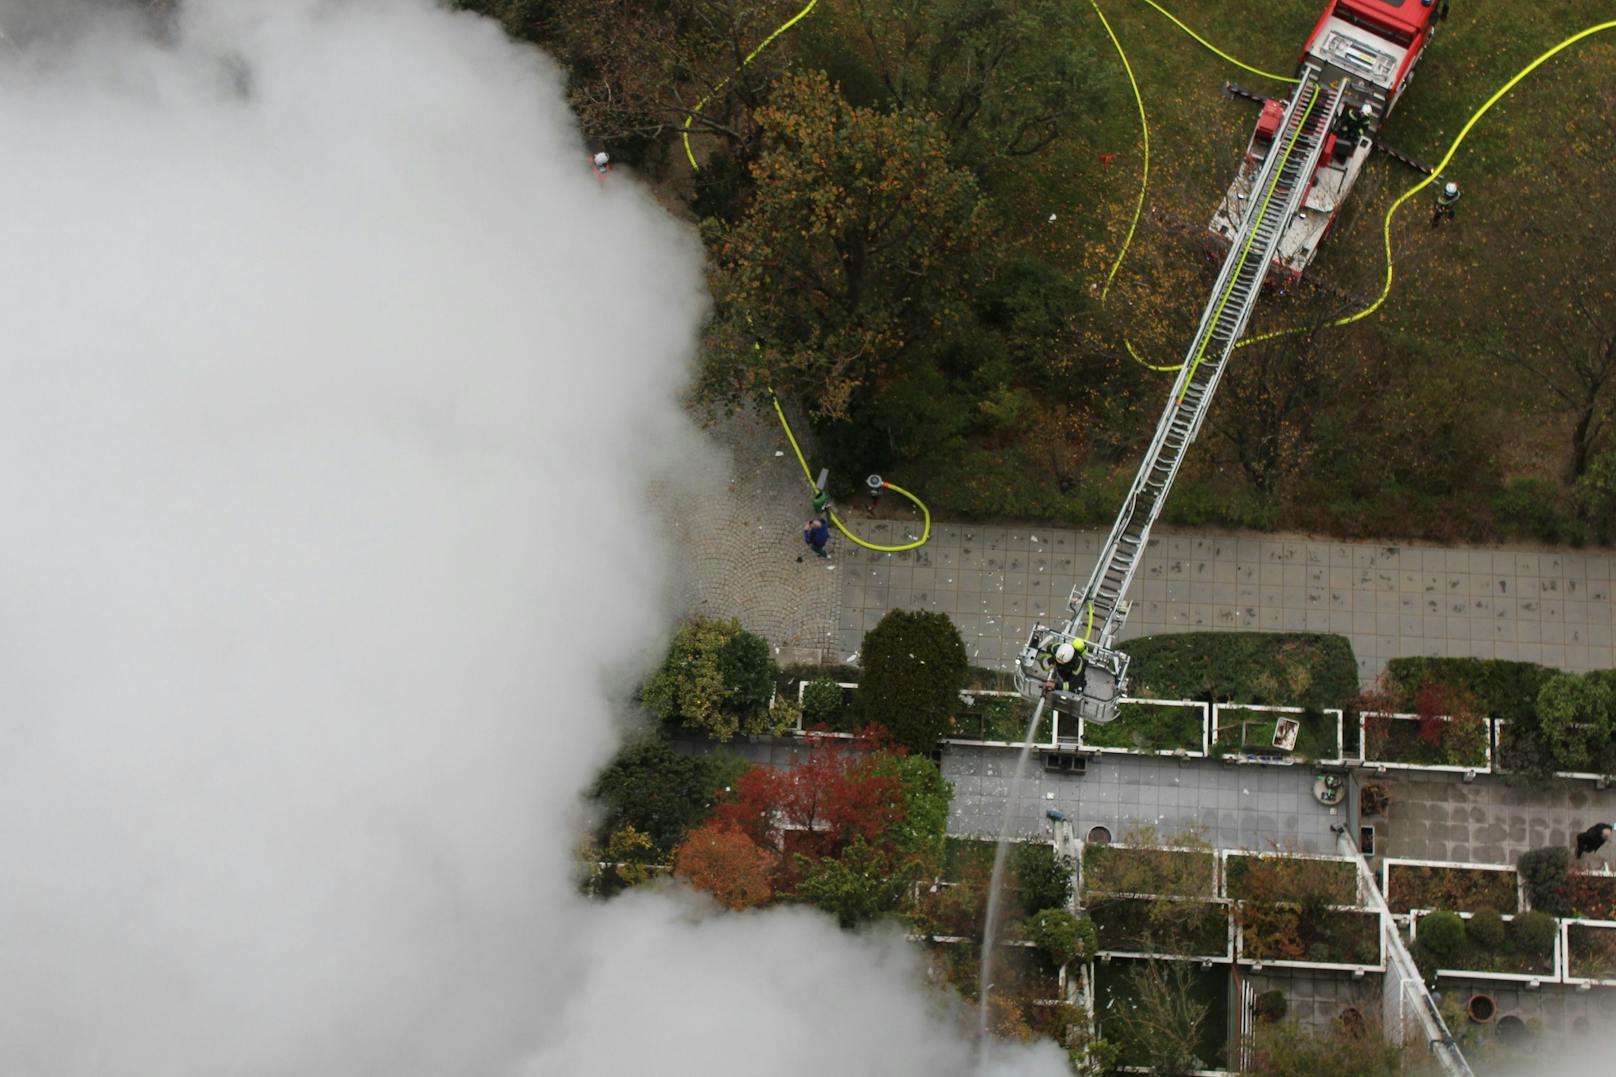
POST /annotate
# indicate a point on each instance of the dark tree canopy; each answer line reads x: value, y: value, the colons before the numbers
x: 913, y: 669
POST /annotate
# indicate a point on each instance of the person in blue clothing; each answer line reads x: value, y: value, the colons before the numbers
x: 816, y: 534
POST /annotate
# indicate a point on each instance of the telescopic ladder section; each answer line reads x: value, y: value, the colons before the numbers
x: 1098, y: 607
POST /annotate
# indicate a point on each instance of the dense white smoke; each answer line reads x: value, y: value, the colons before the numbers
x: 332, y: 382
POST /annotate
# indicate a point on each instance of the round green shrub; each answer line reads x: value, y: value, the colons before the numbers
x: 1486, y: 928
x: 1272, y: 1006
x: 1442, y: 933
x: 1534, y: 933
x: 1544, y: 871
x: 820, y: 702
x: 1063, y: 936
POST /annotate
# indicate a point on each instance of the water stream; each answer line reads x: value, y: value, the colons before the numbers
x: 990, y: 928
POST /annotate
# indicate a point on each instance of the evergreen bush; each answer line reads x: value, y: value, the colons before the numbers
x: 913, y: 669
x: 1442, y: 933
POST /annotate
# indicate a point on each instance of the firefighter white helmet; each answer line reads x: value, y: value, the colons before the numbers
x: 1366, y: 110
x: 1451, y: 190
x: 1065, y: 653
x: 601, y: 159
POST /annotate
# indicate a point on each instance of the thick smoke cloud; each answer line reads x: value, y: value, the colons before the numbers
x: 332, y: 384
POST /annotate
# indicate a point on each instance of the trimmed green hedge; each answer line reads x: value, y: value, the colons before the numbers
x: 1502, y: 689
x: 1306, y: 669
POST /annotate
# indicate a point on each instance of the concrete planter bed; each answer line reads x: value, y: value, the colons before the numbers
x: 989, y: 717
x: 1152, y: 727
x: 1337, y: 877
x: 1592, y: 895
x: 1514, y: 960
x: 1250, y: 733
x: 1159, y: 926
x: 1125, y: 869
x: 1589, y: 947
x: 1410, y: 742
x: 1114, y: 994
x: 1499, y: 734
x: 1282, y: 936
x: 1020, y: 969
x: 1423, y: 884
x: 841, y: 720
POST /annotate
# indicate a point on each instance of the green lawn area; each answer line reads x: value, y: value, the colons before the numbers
x: 965, y: 857
x: 1592, y: 952
x: 1148, y: 727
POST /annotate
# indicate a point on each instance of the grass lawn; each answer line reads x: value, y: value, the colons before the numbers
x: 1402, y: 740
x: 1022, y: 972
x: 1118, y: 869
x: 1116, y: 993
x: 1148, y: 727
x: 965, y: 857
x: 1459, y: 889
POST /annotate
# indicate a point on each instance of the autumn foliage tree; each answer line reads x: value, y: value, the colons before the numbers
x: 854, y: 252
x: 729, y: 865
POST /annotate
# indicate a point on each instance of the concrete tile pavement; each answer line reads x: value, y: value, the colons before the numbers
x: 1440, y: 817
x: 739, y: 536
x: 1537, y: 605
x: 1233, y: 807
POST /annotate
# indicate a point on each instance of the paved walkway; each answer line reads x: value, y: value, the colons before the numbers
x: 1440, y: 817
x: 739, y: 532
x: 1543, y: 606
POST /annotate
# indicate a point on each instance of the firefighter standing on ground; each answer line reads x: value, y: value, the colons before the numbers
x: 1444, y: 203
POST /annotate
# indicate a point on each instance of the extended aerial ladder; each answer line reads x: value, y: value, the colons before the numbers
x: 1099, y: 607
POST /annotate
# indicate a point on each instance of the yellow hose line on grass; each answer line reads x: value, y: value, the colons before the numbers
x: 808, y: 474
x: 1207, y: 44
x: 1144, y: 132
x: 684, y: 133
x: 1386, y: 227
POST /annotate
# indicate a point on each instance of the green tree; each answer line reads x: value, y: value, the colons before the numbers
x: 926, y: 796
x: 717, y: 679
x: 1062, y: 935
x: 862, y: 883
x: 657, y: 791
x: 1577, y: 714
x: 1006, y: 78
x: 1042, y: 877
x: 855, y: 251
x: 913, y: 668
x: 1163, y: 1026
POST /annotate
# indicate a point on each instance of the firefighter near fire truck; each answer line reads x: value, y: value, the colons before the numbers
x: 1446, y: 198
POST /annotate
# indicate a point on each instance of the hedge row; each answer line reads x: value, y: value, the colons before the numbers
x: 1287, y: 669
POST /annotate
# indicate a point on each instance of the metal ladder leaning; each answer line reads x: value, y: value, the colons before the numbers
x: 1097, y: 606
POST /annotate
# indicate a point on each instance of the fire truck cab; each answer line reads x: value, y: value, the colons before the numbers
x: 1371, y: 45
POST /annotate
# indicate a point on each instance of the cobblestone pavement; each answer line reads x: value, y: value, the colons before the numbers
x: 740, y: 539
x: 1231, y: 807
x: 1440, y: 817
x: 1548, y: 606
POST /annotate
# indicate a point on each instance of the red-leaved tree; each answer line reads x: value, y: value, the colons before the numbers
x: 833, y: 794
x: 718, y: 858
